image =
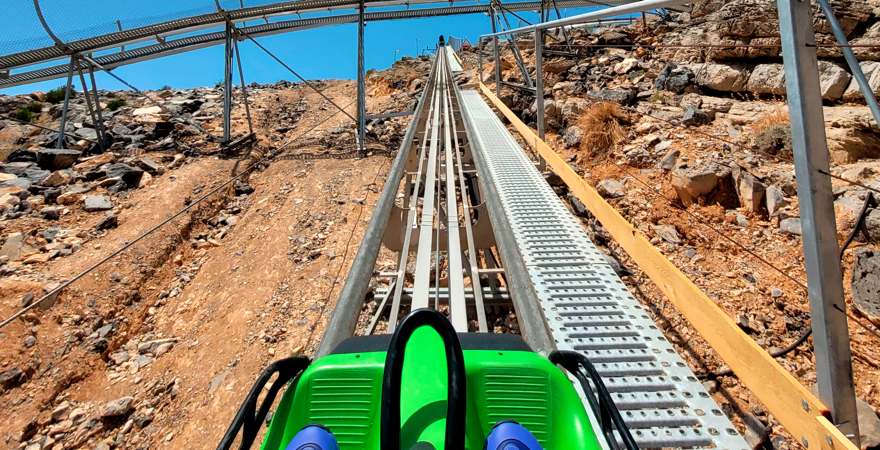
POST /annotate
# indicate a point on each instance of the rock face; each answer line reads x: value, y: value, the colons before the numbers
x: 866, y: 281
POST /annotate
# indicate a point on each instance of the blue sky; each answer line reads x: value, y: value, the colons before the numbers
x: 321, y: 53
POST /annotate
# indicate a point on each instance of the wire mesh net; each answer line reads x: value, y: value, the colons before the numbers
x: 72, y: 20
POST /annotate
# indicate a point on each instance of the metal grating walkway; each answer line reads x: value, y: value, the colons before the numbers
x: 587, y: 306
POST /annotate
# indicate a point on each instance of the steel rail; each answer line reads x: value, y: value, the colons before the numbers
x: 345, y: 315
x: 629, y: 8
x: 422, y: 281
x: 457, y: 306
x: 410, y: 222
x: 473, y: 267
x: 196, y: 42
x: 185, y: 25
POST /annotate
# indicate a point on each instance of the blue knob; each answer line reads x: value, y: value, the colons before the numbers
x: 509, y: 435
x: 313, y: 437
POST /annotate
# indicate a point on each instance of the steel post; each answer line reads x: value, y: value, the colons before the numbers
x: 244, y: 92
x: 88, y: 97
x: 59, y: 143
x: 98, y: 110
x: 480, y: 59
x: 539, y: 80
x: 496, y: 54
x: 227, y: 85
x: 824, y: 278
x: 851, y: 60
x: 361, y: 83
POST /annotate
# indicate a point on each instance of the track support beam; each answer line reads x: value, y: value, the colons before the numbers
x: 361, y: 83
x: 227, y: 84
x: 824, y: 278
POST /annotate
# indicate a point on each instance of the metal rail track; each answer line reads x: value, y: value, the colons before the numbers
x: 537, y: 262
x: 586, y: 306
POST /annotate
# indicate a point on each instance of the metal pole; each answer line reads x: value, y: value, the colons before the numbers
x: 59, y: 143
x: 539, y: 80
x: 227, y: 85
x: 824, y: 278
x: 480, y: 59
x: 851, y: 60
x: 92, y: 115
x: 98, y: 110
x: 361, y: 83
x: 244, y: 92
x: 496, y: 54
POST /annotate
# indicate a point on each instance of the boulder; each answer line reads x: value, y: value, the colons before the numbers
x: 573, y: 136
x: 131, y: 176
x: 120, y: 407
x: 791, y: 225
x: 695, y: 117
x: 866, y: 280
x: 146, y: 111
x: 775, y: 199
x: 833, y: 80
x: 722, y: 77
x: 674, y: 78
x: 767, y: 79
x: 97, y: 203
x: 853, y: 93
x: 624, y: 97
x: 13, y: 247
x: 11, y: 378
x: 57, y: 178
x: 749, y: 190
x: 56, y: 159
x: 572, y: 108
x: 610, y: 188
x: 626, y: 65
x: 669, y: 159
x: 693, y: 184
x: 89, y: 134
x: 869, y: 425
x: 668, y: 233
x: 558, y: 66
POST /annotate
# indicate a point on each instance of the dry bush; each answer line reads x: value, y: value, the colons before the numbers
x: 603, y: 126
x: 775, y: 117
x: 771, y: 134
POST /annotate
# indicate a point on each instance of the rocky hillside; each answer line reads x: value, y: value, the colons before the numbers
x: 683, y: 127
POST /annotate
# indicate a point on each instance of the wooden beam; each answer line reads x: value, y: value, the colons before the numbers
x: 796, y: 408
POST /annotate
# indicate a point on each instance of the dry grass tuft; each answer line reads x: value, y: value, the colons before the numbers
x: 603, y: 126
x: 771, y: 133
x: 770, y: 119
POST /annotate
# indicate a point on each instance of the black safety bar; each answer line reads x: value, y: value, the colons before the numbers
x: 248, y: 417
x: 608, y: 415
x: 392, y: 379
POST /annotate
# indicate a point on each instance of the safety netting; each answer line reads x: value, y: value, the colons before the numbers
x: 73, y: 20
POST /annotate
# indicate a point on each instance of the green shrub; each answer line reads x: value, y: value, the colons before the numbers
x: 35, y: 107
x: 24, y: 114
x: 57, y: 95
x: 115, y: 104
